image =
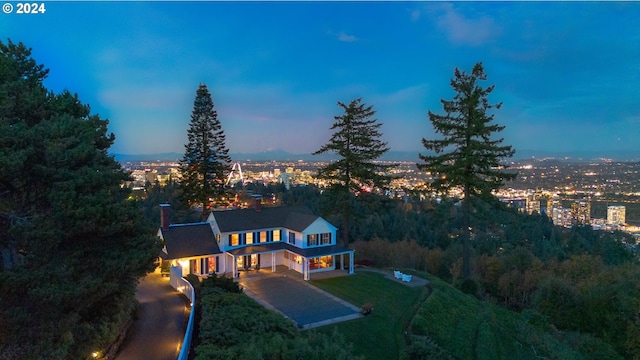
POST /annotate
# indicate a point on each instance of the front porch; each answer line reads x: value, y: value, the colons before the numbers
x: 305, y: 262
x: 282, y: 270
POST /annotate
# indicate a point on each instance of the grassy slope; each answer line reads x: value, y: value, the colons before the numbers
x: 381, y: 334
x: 465, y: 327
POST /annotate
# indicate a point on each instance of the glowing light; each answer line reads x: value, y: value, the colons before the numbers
x: 95, y: 354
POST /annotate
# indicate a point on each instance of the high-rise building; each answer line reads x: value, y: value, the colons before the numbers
x: 581, y: 212
x: 616, y: 215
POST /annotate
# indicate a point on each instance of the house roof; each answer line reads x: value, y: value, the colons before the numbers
x: 278, y: 246
x: 189, y: 240
x: 295, y: 218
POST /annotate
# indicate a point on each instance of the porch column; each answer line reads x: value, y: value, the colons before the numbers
x: 273, y: 262
x: 342, y: 261
x: 234, y: 266
x: 305, y: 268
x: 351, y: 263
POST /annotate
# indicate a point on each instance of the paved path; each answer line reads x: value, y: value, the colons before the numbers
x: 298, y: 300
x: 158, y: 331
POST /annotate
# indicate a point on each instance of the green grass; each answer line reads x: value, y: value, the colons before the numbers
x: 381, y: 334
x: 461, y: 325
x: 471, y: 329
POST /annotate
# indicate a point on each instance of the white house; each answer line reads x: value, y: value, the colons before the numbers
x: 231, y: 241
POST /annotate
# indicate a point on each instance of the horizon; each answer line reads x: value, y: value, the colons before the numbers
x: 568, y: 83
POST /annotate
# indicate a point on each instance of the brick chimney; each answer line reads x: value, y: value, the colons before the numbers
x: 165, y: 216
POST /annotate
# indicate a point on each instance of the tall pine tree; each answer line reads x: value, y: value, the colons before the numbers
x: 206, y: 162
x: 356, y: 140
x: 467, y: 156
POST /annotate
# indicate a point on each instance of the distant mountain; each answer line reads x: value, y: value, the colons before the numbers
x: 170, y: 156
x: 577, y: 156
x: 282, y: 155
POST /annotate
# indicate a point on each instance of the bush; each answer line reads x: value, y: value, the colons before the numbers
x: 469, y: 286
x: 222, y: 282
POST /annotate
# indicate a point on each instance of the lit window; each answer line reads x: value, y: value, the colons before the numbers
x: 326, y: 238
x: 248, y: 238
x: 234, y: 239
x: 312, y: 239
x: 263, y: 236
x: 276, y: 235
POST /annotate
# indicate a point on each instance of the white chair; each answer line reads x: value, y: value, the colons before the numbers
x: 406, y: 278
x: 397, y: 274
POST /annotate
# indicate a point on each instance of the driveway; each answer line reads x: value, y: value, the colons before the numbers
x: 158, y: 331
x: 300, y: 301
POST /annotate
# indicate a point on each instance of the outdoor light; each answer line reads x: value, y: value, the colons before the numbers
x: 95, y: 354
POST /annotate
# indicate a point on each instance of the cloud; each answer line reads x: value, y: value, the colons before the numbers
x: 346, y: 38
x: 464, y: 30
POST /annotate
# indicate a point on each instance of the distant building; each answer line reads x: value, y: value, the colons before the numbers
x: 561, y: 217
x: 616, y: 215
x: 581, y: 212
x: 533, y: 205
x: 518, y: 204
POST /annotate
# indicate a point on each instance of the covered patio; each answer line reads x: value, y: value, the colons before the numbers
x: 305, y: 261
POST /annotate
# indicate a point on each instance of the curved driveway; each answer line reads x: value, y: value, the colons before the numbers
x: 158, y: 331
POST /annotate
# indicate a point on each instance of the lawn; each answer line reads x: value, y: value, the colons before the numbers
x: 461, y: 325
x: 381, y: 334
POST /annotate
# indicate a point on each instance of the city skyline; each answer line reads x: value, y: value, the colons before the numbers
x: 567, y: 73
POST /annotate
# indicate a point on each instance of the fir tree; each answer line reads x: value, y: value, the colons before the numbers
x: 206, y: 162
x: 73, y: 245
x: 467, y: 156
x: 356, y: 140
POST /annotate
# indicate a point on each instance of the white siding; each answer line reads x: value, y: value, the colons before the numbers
x: 319, y: 226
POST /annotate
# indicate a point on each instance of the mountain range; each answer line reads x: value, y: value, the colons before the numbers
x: 282, y: 155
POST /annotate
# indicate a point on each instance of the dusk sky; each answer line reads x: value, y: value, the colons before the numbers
x: 568, y: 73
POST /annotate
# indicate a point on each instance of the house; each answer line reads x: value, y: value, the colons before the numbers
x: 231, y: 241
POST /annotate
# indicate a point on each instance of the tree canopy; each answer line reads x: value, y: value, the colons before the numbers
x: 206, y: 163
x: 356, y: 141
x: 72, y: 244
x: 467, y: 156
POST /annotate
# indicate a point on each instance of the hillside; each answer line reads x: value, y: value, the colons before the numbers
x: 471, y: 329
x: 449, y: 324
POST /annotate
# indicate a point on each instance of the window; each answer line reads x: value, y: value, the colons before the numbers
x: 234, y: 239
x: 277, y: 234
x: 212, y: 265
x: 292, y: 237
x: 248, y: 238
x: 312, y: 239
x: 263, y: 236
x: 326, y: 238
x: 218, y: 238
x: 321, y: 262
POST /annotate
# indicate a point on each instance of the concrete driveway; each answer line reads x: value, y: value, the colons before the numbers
x: 158, y: 331
x: 298, y: 300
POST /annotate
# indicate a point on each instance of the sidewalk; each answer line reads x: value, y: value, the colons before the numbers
x: 158, y: 331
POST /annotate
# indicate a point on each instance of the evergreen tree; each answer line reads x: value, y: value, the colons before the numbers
x: 467, y: 156
x: 356, y: 140
x: 73, y: 246
x: 206, y: 162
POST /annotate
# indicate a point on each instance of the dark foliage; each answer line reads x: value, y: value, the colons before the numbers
x: 206, y: 162
x: 72, y: 244
x: 467, y: 156
x: 356, y: 141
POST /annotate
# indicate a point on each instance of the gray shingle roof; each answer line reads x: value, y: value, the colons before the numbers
x: 278, y: 246
x: 295, y: 218
x: 189, y: 240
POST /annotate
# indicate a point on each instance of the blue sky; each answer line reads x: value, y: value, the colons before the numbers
x: 568, y: 73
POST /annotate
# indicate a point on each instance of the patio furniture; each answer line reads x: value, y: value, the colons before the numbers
x: 397, y: 274
x: 406, y: 278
